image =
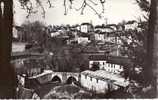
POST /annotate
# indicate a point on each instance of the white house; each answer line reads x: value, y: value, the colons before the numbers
x: 91, y: 81
x: 108, y: 28
x: 100, y: 37
x: 83, y: 40
x: 15, y: 33
x: 75, y: 28
x: 112, y: 64
x: 54, y: 34
x: 112, y: 26
x: 18, y: 33
x: 102, y: 81
x: 18, y: 47
x: 86, y: 27
x: 131, y: 25
x: 107, y: 66
x: 102, y: 33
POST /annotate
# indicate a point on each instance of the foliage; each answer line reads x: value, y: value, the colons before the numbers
x: 144, y: 5
x: 135, y: 50
x: 69, y: 59
x: 64, y: 91
x: 34, y: 32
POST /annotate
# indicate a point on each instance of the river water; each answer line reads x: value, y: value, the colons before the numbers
x: 56, y: 90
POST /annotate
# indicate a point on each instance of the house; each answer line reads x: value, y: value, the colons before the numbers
x: 112, y: 64
x: 106, y: 33
x: 108, y: 28
x: 100, y: 37
x: 83, y: 40
x: 15, y: 33
x: 18, y: 46
x: 75, y: 28
x: 101, y: 32
x: 18, y: 33
x: 114, y: 27
x: 131, y: 25
x: 86, y: 27
x: 101, y: 81
x: 54, y: 34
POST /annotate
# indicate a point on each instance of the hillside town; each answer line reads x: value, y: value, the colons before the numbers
x: 78, y: 61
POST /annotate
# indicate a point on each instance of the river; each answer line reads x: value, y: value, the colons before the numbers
x: 56, y: 90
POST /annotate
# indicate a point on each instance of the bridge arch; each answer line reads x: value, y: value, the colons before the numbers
x: 56, y: 78
x: 71, y: 79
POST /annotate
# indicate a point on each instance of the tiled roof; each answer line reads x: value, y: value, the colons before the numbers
x: 86, y: 24
x: 111, y: 59
x: 98, y: 57
x: 104, y: 75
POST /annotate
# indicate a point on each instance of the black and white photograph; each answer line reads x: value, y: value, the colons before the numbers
x: 78, y: 49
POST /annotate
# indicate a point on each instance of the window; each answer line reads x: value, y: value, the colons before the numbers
x: 85, y: 76
x: 91, y: 78
x: 108, y: 65
x: 97, y: 80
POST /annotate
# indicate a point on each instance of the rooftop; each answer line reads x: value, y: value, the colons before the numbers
x: 86, y: 24
x: 111, y: 59
x: 131, y: 22
x: 104, y: 75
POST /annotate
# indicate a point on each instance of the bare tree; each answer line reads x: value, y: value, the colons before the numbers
x: 28, y: 6
x: 7, y: 83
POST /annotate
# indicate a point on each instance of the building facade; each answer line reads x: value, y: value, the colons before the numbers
x: 18, y: 47
x: 101, y: 81
x: 86, y: 27
x: 107, y: 66
x: 131, y: 25
x: 112, y: 64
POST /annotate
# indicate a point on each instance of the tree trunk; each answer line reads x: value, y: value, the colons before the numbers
x: 7, y: 73
x: 151, y: 68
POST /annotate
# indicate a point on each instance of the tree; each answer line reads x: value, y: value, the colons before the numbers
x: 144, y: 6
x: 151, y: 67
x: 34, y: 32
x: 28, y: 6
x: 6, y: 22
x: 7, y: 72
x: 135, y: 50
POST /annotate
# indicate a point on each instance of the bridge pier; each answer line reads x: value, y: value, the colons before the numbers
x: 64, y: 76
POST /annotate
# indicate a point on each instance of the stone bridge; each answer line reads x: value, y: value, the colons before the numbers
x: 63, y: 77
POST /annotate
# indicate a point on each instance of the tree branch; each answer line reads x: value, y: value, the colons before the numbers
x: 28, y: 6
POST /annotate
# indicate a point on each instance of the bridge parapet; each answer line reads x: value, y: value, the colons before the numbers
x: 64, y: 76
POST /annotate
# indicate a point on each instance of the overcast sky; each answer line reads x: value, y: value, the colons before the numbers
x: 115, y: 11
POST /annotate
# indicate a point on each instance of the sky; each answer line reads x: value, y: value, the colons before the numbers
x: 115, y: 12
